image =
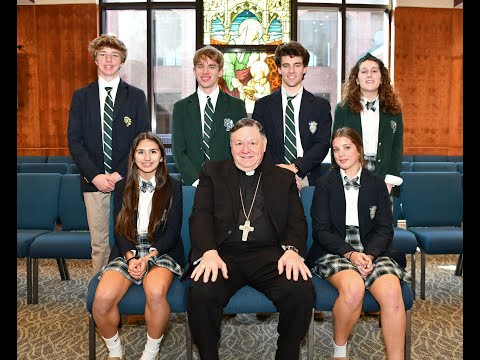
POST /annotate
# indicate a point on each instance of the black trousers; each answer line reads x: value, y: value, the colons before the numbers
x: 255, y: 265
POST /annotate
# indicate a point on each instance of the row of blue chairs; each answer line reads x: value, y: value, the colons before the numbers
x: 247, y: 299
x: 68, y: 159
x: 45, y: 200
x: 414, y: 158
x: 51, y: 224
x: 63, y: 168
x: 59, y: 159
x: 433, y: 166
x: 433, y: 224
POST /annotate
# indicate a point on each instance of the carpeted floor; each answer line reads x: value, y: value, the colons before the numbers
x: 57, y: 327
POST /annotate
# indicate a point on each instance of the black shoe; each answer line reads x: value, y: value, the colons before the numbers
x: 228, y: 316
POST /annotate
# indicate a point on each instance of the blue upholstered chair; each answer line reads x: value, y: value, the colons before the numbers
x: 172, y: 168
x: 326, y: 294
x: 31, y: 159
x: 60, y: 168
x: 432, y: 203
x: 406, y: 166
x: 133, y: 303
x: 423, y: 158
x: 71, y: 240
x: 455, y: 158
x: 460, y: 166
x: 176, y: 176
x: 67, y: 159
x: 407, y: 158
x: 434, y: 166
x: 404, y: 240
x: 37, y: 213
x: 72, y: 169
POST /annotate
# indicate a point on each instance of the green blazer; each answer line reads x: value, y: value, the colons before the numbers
x: 187, y: 137
x: 390, y: 138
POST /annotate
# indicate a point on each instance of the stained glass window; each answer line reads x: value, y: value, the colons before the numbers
x: 247, y: 32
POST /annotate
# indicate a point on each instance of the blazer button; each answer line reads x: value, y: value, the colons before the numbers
x: 229, y: 232
x: 379, y: 160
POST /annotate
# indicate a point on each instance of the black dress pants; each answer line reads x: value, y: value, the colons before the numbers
x: 255, y: 265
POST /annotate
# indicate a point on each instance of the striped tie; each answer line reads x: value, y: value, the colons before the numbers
x: 107, y: 131
x: 207, y: 127
x: 290, y: 138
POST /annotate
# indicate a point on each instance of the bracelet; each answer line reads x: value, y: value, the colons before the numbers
x: 349, y: 256
x: 133, y: 257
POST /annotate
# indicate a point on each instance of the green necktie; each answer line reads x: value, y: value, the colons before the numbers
x: 207, y: 127
x: 107, y: 131
x: 290, y: 138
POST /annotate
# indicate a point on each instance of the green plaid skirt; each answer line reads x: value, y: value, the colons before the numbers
x: 120, y: 264
x: 329, y: 264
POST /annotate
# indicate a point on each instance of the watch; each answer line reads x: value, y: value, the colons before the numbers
x: 290, y: 247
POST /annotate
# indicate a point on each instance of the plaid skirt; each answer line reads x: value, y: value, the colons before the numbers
x: 329, y: 264
x: 120, y: 264
x: 370, y: 162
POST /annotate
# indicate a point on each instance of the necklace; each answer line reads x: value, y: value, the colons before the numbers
x: 246, y: 228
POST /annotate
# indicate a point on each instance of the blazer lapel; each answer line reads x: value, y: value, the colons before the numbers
x: 304, y: 115
x: 219, y: 114
x: 194, y: 119
x: 277, y: 113
x: 233, y: 186
x: 120, y: 100
x: 93, y: 101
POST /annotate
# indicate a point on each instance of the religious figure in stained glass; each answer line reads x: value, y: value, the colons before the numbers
x: 252, y: 23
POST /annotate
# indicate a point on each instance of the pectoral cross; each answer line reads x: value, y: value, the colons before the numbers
x: 246, y: 228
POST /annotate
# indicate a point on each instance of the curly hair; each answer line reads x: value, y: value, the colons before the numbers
x: 351, y: 94
x: 125, y: 224
x: 109, y: 41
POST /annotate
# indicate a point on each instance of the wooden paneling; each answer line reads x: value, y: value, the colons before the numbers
x: 429, y: 78
x: 52, y: 64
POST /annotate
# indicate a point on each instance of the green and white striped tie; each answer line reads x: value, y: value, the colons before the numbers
x: 290, y: 137
x: 207, y: 127
x: 107, y: 131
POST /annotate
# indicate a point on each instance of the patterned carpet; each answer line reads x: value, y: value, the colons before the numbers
x: 57, y: 327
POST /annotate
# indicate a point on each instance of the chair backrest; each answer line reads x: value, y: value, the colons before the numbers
x: 60, y: 168
x: 188, y: 196
x: 306, y: 195
x: 430, y: 158
x: 407, y: 158
x: 172, y: 168
x: 60, y: 159
x: 434, y: 166
x: 72, y: 169
x: 455, y: 158
x: 176, y: 176
x: 460, y: 167
x: 325, y: 168
x: 71, y: 208
x: 31, y: 159
x: 169, y: 158
x: 406, y: 166
x: 432, y: 198
x: 37, y: 200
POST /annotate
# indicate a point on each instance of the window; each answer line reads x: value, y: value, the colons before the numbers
x: 161, y: 42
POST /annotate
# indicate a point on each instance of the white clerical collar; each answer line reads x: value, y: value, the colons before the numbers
x: 250, y: 173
